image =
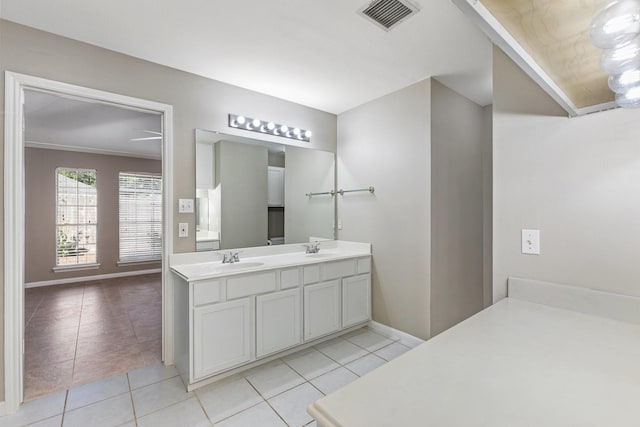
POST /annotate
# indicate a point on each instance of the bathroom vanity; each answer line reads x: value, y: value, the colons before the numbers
x: 275, y: 300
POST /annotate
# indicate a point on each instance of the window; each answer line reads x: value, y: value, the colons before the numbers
x: 140, y: 217
x: 76, y: 217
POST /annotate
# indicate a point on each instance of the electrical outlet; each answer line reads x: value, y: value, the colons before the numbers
x: 183, y: 229
x: 339, y: 224
x: 531, y: 242
x: 185, y: 206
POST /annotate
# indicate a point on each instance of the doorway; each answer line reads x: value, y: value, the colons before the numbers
x: 80, y: 246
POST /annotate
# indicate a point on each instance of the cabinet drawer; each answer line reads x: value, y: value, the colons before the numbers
x: 364, y: 265
x: 289, y: 278
x: 206, y: 292
x: 250, y: 285
x: 337, y: 269
x: 311, y: 274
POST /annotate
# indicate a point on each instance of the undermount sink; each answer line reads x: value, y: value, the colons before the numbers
x: 238, y: 265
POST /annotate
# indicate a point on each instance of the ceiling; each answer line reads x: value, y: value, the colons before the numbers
x: 322, y: 54
x: 549, y: 40
x: 56, y: 122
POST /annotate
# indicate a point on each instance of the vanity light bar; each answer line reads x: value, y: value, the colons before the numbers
x: 271, y: 128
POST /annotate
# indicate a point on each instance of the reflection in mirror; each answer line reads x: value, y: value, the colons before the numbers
x: 253, y: 193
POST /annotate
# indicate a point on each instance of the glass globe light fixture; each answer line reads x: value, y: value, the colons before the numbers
x: 621, y: 59
x: 616, y: 24
x: 621, y: 82
x: 630, y: 98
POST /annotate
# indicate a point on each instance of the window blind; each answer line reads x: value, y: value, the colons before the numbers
x: 140, y: 213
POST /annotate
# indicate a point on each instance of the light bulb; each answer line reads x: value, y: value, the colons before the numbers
x: 241, y: 120
x: 621, y: 59
x: 255, y: 123
x: 271, y: 126
x: 616, y: 24
x: 284, y: 129
x: 296, y: 132
x: 630, y: 98
x: 621, y: 82
x: 307, y: 134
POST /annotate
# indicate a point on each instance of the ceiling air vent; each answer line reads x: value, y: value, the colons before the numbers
x: 388, y: 13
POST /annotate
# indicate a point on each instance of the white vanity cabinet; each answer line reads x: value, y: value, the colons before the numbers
x: 235, y: 320
x: 356, y: 300
x: 277, y: 321
x: 221, y: 336
x: 321, y: 309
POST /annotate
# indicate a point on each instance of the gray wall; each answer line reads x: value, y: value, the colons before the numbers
x: 386, y: 143
x: 241, y: 178
x: 457, y: 142
x: 487, y: 205
x: 198, y: 102
x: 305, y: 171
x: 575, y: 179
x: 40, y: 209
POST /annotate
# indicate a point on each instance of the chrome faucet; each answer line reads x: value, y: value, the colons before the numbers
x: 230, y: 257
x: 312, y: 248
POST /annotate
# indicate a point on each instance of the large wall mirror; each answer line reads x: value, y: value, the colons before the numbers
x: 254, y: 193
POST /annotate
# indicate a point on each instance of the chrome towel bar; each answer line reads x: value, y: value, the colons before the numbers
x: 369, y: 189
x: 332, y: 193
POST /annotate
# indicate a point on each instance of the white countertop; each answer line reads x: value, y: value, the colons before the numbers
x: 516, y: 363
x: 201, y: 266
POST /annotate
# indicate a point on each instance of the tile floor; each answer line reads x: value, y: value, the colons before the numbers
x: 79, y: 333
x: 274, y: 394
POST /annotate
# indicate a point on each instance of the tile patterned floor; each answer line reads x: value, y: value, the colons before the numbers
x: 79, y: 333
x: 274, y: 394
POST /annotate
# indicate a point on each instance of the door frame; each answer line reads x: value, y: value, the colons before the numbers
x: 14, y: 222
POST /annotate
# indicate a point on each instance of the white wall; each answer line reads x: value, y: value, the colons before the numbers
x: 308, y: 171
x: 386, y: 143
x: 575, y: 179
x: 457, y: 144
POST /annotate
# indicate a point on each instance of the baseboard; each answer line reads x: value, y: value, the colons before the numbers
x: 402, y: 337
x: 87, y: 278
x: 3, y: 410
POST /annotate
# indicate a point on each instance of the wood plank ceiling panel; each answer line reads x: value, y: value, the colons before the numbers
x: 555, y: 34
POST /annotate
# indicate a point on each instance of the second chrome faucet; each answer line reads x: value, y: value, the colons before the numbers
x: 230, y: 257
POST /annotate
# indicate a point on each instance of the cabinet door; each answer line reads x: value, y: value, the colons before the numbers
x: 278, y: 324
x: 321, y: 309
x: 356, y: 300
x: 275, y: 183
x: 222, y: 336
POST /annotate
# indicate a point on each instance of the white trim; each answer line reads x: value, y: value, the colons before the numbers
x: 14, y: 226
x: 3, y: 410
x: 89, y: 278
x: 389, y: 332
x: 75, y: 267
x: 481, y: 16
x: 60, y: 147
x: 141, y: 262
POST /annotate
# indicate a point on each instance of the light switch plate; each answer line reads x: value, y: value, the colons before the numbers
x: 531, y: 241
x: 183, y: 229
x: 185, y: 206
